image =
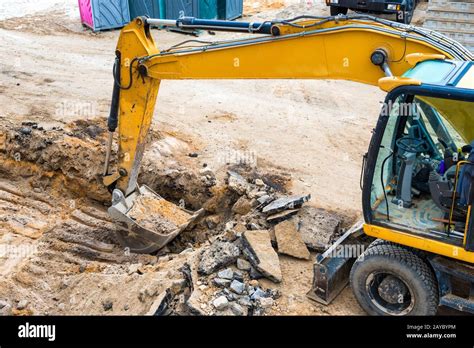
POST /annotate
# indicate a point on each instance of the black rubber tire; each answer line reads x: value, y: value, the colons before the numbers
x: 336, y: 10
x: 407, y: 266
x: 420, y: 253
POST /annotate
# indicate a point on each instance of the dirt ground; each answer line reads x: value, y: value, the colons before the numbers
x: 53, y: 72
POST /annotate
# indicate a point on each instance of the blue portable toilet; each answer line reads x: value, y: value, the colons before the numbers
x: 230, y: 9
x: 104, y: 14
x: 150, y: 8
x: 206, y: 9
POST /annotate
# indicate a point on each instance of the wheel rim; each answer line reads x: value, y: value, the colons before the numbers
x: 405, y: 302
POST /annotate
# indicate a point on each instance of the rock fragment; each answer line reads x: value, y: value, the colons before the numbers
x: 258, y: 294
x: 238, y: 310
x: 259, y: 250
x: 242, y: 206
x: 282, y: 215
x: 22, y: 305
x: 107, y: 305
x: 289, y: 240
x: 218, y: 255
x: 263, y: 199
x: 285, y: 203
x: 227, y: 273
x: 237, y: 287
x: 221, y: 283
x: 237, y: 183
x: 265, y: 302
x: 243, y: 265
x: 160, y: 304
x: 318, y: 227
x: 220, y: 303
x: 245, y: 301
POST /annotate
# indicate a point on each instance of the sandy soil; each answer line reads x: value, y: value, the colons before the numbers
x: 54, y: 71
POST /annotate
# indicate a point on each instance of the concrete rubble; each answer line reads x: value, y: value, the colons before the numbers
x: 285, y: 203
x: 318, y: 227
x: 219, y: 255
x: 289, y: 240
x: 261, y: 254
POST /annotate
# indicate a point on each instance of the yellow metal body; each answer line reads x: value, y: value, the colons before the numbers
x: 420, y: 242
x: 296, y: 54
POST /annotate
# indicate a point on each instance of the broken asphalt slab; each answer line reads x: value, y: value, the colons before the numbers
x: 285, y: 203
x: 289, y: 240
x: 318, y: 227
x: 258, y: 249
x: 217, y: 256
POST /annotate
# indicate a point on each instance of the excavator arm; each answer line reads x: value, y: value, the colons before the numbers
x: 359, y: 48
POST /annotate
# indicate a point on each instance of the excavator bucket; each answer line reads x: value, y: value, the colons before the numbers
x: 332, y: 268
x: 146, y: 222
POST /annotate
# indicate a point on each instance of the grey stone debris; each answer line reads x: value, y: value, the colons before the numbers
x: 254, y: 274
x: 259, y: 182
x: 217, y: 256
x: 253, y: 226
x: 227, y: 273
x: 107, y: 305
x: 318, y: 227
x: 243, y: 265
x: 237, y: 309
x: 290, y: 242
x: 284, y: 203
x: 245, y: 301
x: 283, y: 215
x: 265, y: 302
x: 264, y: 199
x: 221, y: 283
x: 237, y: 287
x: 258, y: 249
x: 258, y: 294
x: 220, y: 303
x: 238, y: 275
x: 22, y: 304
x: 237, y: 183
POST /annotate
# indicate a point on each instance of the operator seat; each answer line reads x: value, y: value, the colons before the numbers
x: 466, y: 184
x: 442, y: 188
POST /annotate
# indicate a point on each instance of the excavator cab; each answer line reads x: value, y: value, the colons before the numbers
x: 420, y: 173
x: 418, y: 192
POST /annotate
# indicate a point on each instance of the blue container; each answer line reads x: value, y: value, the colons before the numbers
x: 206, y: 9
x: 230, y: 9
x: 150, y: 8
x: 109, y: 14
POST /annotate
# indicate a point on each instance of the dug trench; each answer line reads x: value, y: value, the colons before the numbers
x: 60, y: 254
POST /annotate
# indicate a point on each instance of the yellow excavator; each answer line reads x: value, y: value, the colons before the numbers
x: 417, y: 179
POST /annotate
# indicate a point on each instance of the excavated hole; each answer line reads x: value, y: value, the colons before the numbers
x: 65, y: 161
x: 52, y: 198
